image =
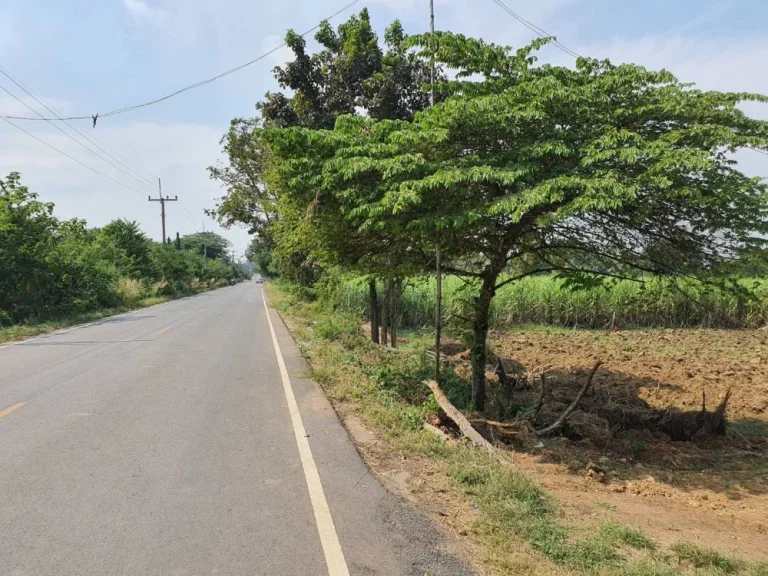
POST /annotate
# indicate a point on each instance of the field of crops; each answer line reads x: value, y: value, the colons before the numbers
x: 543, y: 300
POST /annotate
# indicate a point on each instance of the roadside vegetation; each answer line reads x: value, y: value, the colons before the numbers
x: 55, y: 273
x: 509, y: 521
x: 560, y: 206
x: 546, y: 301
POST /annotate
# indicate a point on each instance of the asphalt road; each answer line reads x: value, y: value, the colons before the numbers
x: 163, y: 442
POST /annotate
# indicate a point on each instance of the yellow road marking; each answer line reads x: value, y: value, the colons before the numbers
x: 11, y: 409
x: 329, y: 539
x: 163, y: 331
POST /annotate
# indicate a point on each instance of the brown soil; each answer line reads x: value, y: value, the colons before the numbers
x: 712, y: 490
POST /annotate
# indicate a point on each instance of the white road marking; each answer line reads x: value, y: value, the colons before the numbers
x: 334, y: 557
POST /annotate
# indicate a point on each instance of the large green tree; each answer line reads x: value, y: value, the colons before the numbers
x: 27, y: 235
x: 207, y: 244
x: 351, y: 72
x: 590, y: 172
x: 128, y: 237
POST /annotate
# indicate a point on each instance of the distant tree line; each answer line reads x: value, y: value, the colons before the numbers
x: 51, y: 267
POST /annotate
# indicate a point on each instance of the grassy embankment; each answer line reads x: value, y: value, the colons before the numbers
x: 514, y: 527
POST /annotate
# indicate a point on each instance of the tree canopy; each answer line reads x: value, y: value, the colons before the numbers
x: 207, y: 244
x: 591, y: 172
x: 350, y: 73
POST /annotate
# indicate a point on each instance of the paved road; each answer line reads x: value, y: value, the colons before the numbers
x: 162, y: 442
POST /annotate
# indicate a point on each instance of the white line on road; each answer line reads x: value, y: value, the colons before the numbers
x: 334, y: 557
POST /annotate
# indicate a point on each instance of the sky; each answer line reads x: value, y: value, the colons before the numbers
x: 89, y: 56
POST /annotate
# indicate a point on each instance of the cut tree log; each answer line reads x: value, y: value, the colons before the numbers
x: 461, y: 421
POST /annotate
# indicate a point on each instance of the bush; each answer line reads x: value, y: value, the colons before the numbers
x: 129, y: 290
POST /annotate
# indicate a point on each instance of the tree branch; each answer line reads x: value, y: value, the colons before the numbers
x: 559, y: 422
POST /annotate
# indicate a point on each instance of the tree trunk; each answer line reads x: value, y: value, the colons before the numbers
x: 438, y: 311
x: 479, y: 336
x: 374, y: 302
x: 384, y: 318
x: 392, y: 310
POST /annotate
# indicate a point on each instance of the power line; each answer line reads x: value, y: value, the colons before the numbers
x: 42, y: 102
x: 94, y: 141
x: 68, y: 135
x: 125, y: 109
x: 71, y: 158
x: 187, y: 214
x: 540, y: 32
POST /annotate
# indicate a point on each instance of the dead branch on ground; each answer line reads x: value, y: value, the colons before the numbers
x: 540, y: 400
x: 564, y: 416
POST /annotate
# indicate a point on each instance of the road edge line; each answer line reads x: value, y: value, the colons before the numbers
x: 329, y: 539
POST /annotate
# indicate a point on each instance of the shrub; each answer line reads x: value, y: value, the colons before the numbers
x: 129, y: 290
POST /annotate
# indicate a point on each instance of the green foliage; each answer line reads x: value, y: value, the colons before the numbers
x: 260, y: 252
x: 654, y: 303
x: 52, y: 269
x: 601, y: 171
x: 127, y: 237
x: 350, y: 71
x: 209, y: 244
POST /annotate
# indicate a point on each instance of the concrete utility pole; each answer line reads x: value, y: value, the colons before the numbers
x: 438, y: 275
x: 162, y: 207
x: 205, y: 249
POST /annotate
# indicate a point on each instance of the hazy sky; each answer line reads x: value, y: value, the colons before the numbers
x: 91, y: 56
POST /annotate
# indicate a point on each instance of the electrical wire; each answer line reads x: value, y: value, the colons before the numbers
x: 72, y: 158
x: 68, y: 135
x: 540, y: 32
x: 94, y: 141
x: 186, y: 88
x: 187, y: 214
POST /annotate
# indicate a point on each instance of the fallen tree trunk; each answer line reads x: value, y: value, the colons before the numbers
x: 461, y: 421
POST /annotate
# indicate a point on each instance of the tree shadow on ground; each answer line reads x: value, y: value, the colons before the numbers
x: 616, y: 434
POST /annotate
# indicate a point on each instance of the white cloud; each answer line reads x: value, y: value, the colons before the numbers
x: 177, y: 152
x: 282, y: 55
x: 143, y: 11
x: 11, y: 107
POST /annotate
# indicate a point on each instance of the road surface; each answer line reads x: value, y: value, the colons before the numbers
x: 163, y: 442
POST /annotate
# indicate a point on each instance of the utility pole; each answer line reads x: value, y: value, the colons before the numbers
x: 432, y: 30
x: 162, y: 207
x: 205, y: 249
x: 438, y: 274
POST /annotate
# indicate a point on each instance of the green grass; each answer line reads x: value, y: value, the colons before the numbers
x: 628, y: 536
x: 519, y: 530
x: 543, y: 300
x: 700, y: 557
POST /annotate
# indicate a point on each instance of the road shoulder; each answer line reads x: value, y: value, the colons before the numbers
x: 380, y: 532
